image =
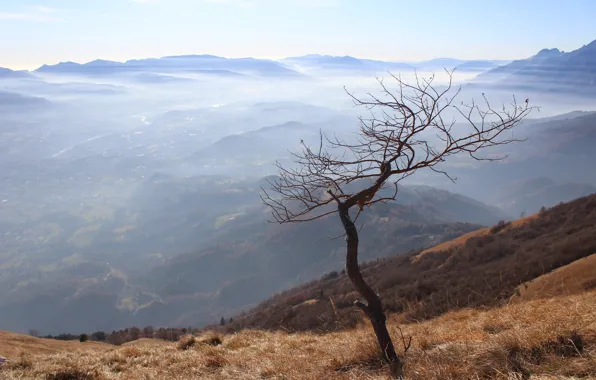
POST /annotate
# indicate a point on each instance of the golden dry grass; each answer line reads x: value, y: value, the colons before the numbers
x: 461, y: 241
x: 12, y: 345
x: 576, y: 277
x: 148, y: 342
x: 540, y: 339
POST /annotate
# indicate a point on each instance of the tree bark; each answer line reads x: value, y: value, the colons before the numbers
x: 373, y: 307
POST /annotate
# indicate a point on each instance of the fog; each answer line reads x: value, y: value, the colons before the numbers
x: 109, y: 175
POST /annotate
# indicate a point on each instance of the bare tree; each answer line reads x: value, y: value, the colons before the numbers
x: 406, y: 131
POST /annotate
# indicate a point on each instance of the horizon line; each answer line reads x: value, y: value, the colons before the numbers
x: 33, y: 67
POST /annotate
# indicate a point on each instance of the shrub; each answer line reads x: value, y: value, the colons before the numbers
x: 186, y: 342
x: 83, y: 338
x: 499, y: 227
x: 211, y: 339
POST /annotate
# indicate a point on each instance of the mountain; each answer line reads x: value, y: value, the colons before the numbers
x: 197, y: 64
x: 557, y: 150
x: 12, y: 102
x: 287, y: 67
x: 261, y: 147
x: 438, y: 64
x: 468, y: 66
x: 479, y: 65
x: 11, y: 74
x: 534, y: 193
x: 550, y: 70
x: 255, y: 152
x: 343, y: 65
x: 482, y: 268
x: 253, y: 260
x: 351, y: 65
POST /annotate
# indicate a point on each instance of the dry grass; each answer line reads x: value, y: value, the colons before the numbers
x: 461, y: 241
x: 148, y: 342
x: 573, y: 278
x: 13, y: 345
x: 540, y: 339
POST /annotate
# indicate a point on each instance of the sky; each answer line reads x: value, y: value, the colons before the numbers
x: 36, y: 32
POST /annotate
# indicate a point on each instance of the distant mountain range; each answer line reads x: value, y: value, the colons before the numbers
x: 198, y: 64
x: 239, y: 67
x: 549, y: 70
x: 316, y: 62
x: 12, y: 74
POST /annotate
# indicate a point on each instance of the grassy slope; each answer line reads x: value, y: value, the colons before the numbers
x: 12, y: 345
x: 547, y: 338
x: 576, y: 277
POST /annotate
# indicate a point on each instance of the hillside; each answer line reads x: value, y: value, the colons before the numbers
x: 541, y: 339
x: 254, y: 259
x: 483, y: 268
x: 572, y: 278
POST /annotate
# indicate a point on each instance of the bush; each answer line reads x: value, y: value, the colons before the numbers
x: 211, y: 339
x: 83, y: 338
x: 186, y: 342
x: 499, y: 227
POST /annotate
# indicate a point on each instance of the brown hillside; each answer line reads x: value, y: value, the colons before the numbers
x: 481, y: 269
x: 576, y: 277
x: 461, y: 241
x: 13, y: 345
x: 541, y: 339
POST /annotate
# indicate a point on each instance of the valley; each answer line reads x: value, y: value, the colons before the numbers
x: 153, y: 203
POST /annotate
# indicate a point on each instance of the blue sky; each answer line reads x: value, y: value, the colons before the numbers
x: 33, y: 32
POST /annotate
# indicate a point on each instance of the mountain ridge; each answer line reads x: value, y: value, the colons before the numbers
x: 280, y: 66
x: 549, y: 70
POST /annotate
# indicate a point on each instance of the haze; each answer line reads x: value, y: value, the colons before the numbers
x: 132, y: 153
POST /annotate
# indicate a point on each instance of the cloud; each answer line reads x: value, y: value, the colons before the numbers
x: 28, y: 16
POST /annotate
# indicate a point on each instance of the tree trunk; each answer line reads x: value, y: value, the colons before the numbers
x: 373, y: 307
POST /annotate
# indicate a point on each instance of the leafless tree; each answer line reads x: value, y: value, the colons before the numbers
x: 406, y: 131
